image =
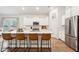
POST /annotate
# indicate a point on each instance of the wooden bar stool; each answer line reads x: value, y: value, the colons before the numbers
x: 21, y: 40
x: 7, y: 37
x: 32, y: 38
x: 46, y: 37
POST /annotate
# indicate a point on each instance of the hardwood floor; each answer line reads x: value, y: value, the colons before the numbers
x: 59, y: 46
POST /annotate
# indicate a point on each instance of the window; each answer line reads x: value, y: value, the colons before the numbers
x: 9, y: 24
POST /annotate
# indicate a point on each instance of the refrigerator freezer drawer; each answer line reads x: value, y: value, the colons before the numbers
x: 73, y: 43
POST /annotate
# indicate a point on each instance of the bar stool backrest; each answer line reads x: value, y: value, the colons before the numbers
x: 7, y: 36
x: 33, y: 36
x: 20, y: 36
x: 46, y: 36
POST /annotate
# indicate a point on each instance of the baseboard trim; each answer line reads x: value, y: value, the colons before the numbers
x: 62, y: 40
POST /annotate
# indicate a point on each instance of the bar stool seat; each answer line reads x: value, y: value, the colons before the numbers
x: 6, y: 37
x: 45, y: 37
x: 32, y: 38
x: 22, y: 44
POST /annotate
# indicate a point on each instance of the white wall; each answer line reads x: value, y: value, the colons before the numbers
x: 53, y: 22
x: 61, y: 22
x: 56, y: 24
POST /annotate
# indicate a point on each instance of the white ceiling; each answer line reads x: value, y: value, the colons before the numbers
x: 17, y: 10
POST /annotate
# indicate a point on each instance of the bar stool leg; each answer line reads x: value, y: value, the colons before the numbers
x: 15, y: 45
x: 8, y: 46
x: 29, y: 46
x: 11, y: 46
x: 25, y: 48
x: 37, y: 45
x: 50, y: 45
x: 28, y: 43
x: 2, y: 45
x: 24, y: 45
x: 19, y: 45
x: 41, y: 46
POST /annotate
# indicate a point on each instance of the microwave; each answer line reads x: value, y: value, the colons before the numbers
x: 35, y: 23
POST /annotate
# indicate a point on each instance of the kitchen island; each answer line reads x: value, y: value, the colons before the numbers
x: 27, y: 32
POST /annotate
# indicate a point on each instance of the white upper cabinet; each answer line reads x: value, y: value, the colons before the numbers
x: 43, y: 21
x: 30, y: 20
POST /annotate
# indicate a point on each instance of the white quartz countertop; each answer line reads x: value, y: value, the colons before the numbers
x: 30, y: 31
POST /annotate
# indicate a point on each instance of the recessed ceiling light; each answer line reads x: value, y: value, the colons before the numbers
x: 23, y: 8
x: 37, y: 8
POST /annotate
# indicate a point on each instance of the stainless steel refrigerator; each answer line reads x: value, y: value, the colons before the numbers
x: 72, y: 32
